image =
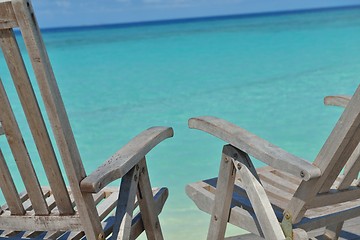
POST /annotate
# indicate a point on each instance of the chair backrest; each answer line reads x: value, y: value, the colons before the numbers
x: 340, y: 149
x: 19, y: 14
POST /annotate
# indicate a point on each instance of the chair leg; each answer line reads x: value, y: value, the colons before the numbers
x: 332, y: 232
x: 147, y: 205
x: 223, y: 195
x: 260, y: 203
x: 125, y: 206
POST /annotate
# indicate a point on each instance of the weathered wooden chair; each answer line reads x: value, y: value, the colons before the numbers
x: 82, y: 209
x: 290, y: 197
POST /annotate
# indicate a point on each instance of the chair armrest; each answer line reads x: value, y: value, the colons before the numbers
x: 125, y: 159
x: 256, y: 147
x: 339, y: 100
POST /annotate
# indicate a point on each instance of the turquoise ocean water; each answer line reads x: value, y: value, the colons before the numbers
x: 267, y: 73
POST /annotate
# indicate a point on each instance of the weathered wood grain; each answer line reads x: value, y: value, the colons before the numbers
x: 223, y: 195
x: 256, y: 147
x: 125, y: 159
x: 35, y: 120
x: 7, y: 16
x: 58, y: 117
x: 8, y: 189
x: 126, y: 204
x: 20, y: 154
x: 147, y: 205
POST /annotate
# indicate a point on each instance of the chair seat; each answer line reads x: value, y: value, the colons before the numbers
x: 105, y: 200
x: 279, y: 186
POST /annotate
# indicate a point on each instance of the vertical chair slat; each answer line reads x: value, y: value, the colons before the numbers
x: 351, y: 170
x: 343, y: 159
x: 147, y: 204
x: 9, y: 190
x: 331, y: 159
x: 36, y: 122
x: 21, y: 155
x: 7, y: 17
x: 1, y: 130
x: 58, y: 117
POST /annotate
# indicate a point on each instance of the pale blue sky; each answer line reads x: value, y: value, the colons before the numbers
x: 56, y: 13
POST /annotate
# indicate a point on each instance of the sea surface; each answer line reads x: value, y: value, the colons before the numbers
x: 265, y: 73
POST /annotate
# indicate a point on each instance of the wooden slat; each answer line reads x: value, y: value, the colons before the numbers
x: 351, y: 170
x: 36, y: 122
x: 125, y: 205
x: 204, y: 200
x: 51, y: 204
x: 278, y: 182
x: 21, y: 155
x: 334, y: 216
x: 160, y: 196
x: 107, y: 205
x: 58, y: 116
x: 9, y: 190
x: 125, y: 159
x: 7, y: 16
x: 108, y: 200
x: 23, y: 197
x: 255, y: 146
x: 223, y: 195
x: 331, y: 158
x: 44, y: 223
x: 147, y: 205
x: 334, y: 197
x: 262, y: 207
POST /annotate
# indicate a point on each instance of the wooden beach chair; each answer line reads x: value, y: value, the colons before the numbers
x: 290, y: 197
x: 82, y: 208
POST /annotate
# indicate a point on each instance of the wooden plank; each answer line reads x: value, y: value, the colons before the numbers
x: 351, y: 170
x: 160, y: 196
x: 223, y: 195
x: 7, y: 16
x: 262, y: 207
x: 147, y: 205
x: 107, y: 205
x: 125, y: 159
x: 335, y: 216
x: 204, y: 200
x: 256, y: 147
x: 339, y: 100
x: 288, y: 177
x: 331, y: 159
x: 9, y: 190
x: 125, y: 205
x: 36, y: 122
x: 58, y: 117
x: 44, y: 223
x: 21, y: 155
x: 278, y: 182
x: 334, y: 197
x: 50, y: 201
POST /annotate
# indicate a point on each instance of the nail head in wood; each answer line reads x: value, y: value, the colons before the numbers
x: 238, y: 166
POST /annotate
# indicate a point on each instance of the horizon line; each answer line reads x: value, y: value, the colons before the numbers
x: 201, y: 18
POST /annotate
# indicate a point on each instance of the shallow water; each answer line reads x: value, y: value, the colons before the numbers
x: 268, y: 74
